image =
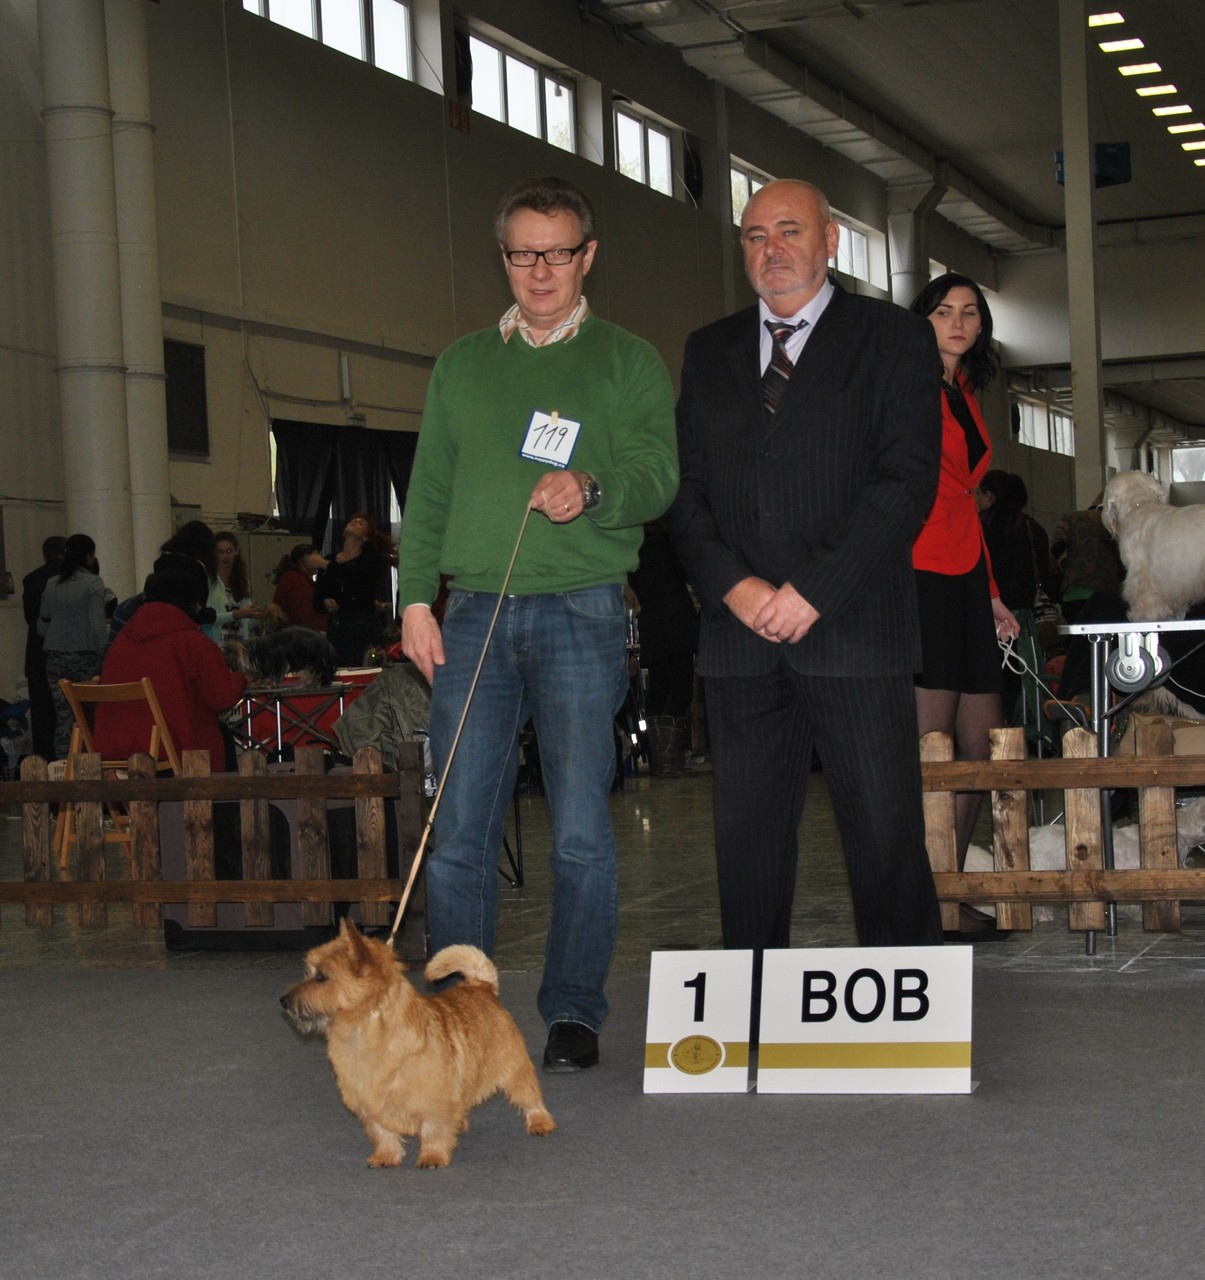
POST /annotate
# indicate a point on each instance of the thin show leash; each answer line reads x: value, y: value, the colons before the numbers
x: 468, y: 702
x: 1013, y: 660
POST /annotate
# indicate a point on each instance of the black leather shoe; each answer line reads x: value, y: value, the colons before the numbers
x: 571, y: 1047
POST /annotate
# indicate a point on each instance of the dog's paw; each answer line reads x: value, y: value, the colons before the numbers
x: 384, y: 1160
x: 540, y: 1123
x: 387, y: 1148
x: 433, y: 1158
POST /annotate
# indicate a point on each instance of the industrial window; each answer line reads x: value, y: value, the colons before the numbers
x: 852, y: 258
x: 517, y: 91
x: 375, y: 31
x: 187, y: 408
x: 1042, y: 427
x: 643, y: 150
x: 746, y: 182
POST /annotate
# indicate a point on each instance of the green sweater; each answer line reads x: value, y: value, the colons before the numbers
x: 470, y: 486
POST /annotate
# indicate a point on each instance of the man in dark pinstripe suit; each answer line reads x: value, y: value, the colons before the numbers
x: 809, y: 430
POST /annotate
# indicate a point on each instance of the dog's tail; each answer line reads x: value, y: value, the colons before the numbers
x: 472, y: 965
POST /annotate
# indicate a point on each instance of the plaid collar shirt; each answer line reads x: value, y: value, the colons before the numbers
x: 512, y: 323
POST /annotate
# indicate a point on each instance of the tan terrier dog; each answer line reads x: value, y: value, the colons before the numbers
x: 412, y: 1064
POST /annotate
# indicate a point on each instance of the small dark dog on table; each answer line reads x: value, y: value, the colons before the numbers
x: 292, y: 652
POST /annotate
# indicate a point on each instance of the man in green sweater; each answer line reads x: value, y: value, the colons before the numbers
x: 555, y: 410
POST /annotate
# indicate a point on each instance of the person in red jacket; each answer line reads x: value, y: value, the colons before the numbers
x: 192, y: 681
x: 961, y: 614
x: 294, y: 594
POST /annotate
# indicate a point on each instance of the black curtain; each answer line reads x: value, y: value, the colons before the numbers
x: 303, y: 476
x: 349, y: 469
x: 360, y: 479
x: 399, y: 449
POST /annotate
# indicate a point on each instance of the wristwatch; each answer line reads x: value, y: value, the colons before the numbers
x: 591, y: 493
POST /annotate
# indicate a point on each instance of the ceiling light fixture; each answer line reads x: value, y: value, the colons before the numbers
x: 1113, y: 18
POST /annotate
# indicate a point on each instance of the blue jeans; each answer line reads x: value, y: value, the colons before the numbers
x: 560, y: 660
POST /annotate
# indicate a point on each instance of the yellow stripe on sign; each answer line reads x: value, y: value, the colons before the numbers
x: 736, y: 1054
x: 852, y: 1057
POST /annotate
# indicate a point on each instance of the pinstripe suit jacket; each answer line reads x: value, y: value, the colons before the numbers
x: 828, y: 495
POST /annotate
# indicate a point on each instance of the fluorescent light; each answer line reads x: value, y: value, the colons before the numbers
x: 1193, y: 146
x: 1182, y: 110
x: 1195, y: 127
x: 1104, y: 19
x: 1200, y: 162
x: 1155, y: 90
x: 1120, y: 46
x: 1140, y: 69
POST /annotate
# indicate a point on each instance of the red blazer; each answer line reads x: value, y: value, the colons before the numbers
x: 191, y: 679
x: 951, y: 539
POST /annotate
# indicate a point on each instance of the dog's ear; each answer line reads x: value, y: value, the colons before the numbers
x: 359, y: 949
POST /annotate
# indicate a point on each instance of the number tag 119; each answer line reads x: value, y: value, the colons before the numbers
x: 698, y: 1025
x: 550, y: 439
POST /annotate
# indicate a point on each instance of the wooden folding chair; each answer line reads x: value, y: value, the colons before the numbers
x: 84, y: 694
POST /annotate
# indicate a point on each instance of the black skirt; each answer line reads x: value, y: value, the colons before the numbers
x: 958, y: 632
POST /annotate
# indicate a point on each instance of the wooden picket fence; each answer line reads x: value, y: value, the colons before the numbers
x: 306, y: 787
x: 1159, y: 884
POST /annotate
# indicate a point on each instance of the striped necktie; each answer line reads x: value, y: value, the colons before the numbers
x: 778, y: 371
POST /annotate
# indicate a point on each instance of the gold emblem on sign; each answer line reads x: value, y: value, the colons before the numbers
x: 696, y: 1055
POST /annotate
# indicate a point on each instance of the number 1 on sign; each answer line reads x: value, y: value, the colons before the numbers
x: 698, y: 1024
x: 699, y: 983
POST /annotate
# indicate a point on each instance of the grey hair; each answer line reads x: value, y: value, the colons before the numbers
x: 544, y: 195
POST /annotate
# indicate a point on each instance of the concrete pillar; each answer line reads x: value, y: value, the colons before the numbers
x: 87, y: 290
x: 908, y: 208
x: 721, y: 202
x: 1079, y: 194
x: 141, y: 296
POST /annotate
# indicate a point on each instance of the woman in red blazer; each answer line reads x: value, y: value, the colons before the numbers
x: 961, y: 613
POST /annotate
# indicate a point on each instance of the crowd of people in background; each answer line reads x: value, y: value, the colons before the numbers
x: 78, y: 630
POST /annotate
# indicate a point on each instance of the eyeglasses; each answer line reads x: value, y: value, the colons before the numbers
x: 553, y: 257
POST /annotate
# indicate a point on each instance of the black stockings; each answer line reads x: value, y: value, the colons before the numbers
x: 966, y: 717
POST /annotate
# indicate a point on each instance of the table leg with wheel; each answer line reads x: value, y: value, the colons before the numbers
x: 1136, y: 664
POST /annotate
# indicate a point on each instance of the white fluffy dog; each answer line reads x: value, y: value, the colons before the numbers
x: 1162, y: 547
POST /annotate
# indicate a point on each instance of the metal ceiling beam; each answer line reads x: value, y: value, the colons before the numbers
x: 718, y: 41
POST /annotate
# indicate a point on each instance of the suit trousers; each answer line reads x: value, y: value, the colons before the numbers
x: 863, y: 728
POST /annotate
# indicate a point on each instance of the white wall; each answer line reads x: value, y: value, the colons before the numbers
x: 1149, y: 295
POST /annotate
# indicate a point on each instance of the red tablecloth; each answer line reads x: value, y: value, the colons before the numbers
x: 287, y: 714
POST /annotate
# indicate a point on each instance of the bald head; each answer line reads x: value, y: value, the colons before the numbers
x: 788, y: 235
